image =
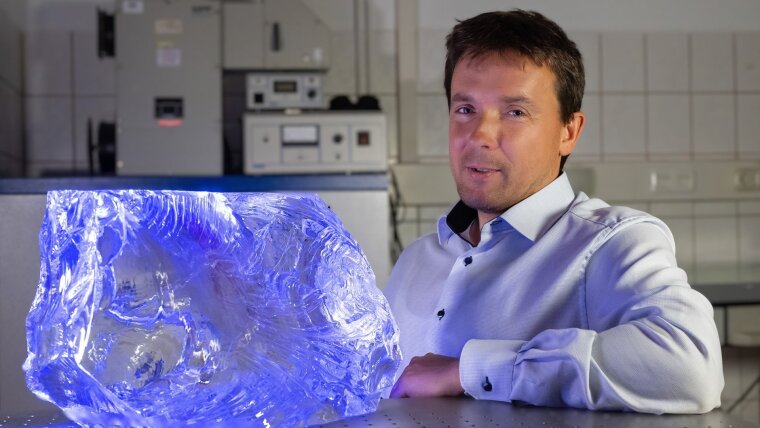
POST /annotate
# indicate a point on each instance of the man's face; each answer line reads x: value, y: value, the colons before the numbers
x: 505, y: 133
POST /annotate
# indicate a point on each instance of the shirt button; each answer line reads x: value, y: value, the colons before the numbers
x: 441, y: 313
x: 487, y: 385
x: 467, y: 260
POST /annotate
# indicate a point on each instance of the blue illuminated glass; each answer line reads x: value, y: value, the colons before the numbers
x: 158, y: 308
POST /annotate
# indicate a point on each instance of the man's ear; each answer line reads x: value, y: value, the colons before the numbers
x: 571, y: 132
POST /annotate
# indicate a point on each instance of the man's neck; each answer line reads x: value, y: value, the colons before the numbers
x: 477, y: 225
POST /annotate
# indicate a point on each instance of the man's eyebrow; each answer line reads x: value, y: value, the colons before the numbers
x: 461, y: 97
x: 520, y: 99
x: 517, y: 100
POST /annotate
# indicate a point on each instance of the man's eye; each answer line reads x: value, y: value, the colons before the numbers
x: 463, y: 110
x: 516, y: 113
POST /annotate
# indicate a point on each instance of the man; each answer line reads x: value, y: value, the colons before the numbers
x: 529, y: 292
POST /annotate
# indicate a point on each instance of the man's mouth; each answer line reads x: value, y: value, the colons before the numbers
x: 481, y: 170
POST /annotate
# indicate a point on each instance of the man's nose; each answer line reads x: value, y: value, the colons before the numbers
x: 488, y: 130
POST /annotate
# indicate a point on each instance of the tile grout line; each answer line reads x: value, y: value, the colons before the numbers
x: 647, y: 130
x: 357, y: 71
x: 735, y: 72
x: 602, y: 94
x: 694, y: 246
x: 690, y: 77
x: 738, y: 236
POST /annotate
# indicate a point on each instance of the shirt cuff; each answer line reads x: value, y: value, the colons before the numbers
x: 486, y: 368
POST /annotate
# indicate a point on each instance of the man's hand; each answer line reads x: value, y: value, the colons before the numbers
x: 429, y: 376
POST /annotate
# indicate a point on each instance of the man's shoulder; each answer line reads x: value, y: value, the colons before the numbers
x: 597, y: 222
x: 597, y: 212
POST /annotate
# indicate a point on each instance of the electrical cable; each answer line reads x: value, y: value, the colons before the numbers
x: 396, y: 202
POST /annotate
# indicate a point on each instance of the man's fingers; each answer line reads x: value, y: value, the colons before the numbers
x: 398, y: 388
x: 394, y: 391
x: 429, y: 376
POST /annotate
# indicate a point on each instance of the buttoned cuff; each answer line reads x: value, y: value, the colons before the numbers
x: 486, y: 368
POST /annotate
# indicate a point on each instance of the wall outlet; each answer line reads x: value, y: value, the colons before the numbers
x: 672, y: 181
x: 747, y: 179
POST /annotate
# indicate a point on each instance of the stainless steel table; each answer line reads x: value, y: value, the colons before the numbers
x: 464, y: 412
x: 469, y: 413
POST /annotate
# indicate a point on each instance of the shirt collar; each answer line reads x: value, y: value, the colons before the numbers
x: 532, y: 216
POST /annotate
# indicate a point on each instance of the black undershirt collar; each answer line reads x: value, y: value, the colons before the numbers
x: 461, y: 217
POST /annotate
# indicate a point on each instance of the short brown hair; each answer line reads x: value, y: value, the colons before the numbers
x: 531, y: 35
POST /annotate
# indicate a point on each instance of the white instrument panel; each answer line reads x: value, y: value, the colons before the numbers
x: 284, y: 90
x: 278, y: 143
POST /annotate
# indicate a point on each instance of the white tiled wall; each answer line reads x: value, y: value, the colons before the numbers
x: 11, y: 156
x: 649, y: 96
x: 389, y: 105
x: 668, y: 125
x: 66, y: 84
x: 11, y: 148
x: 748, y: 61
x: 713, y: 126
x: 432, y: 125
x: 679, y: 216
x: 382, y: 62
x: 623, y: 126
x: 382, y: 74
x: 716, y: 237
x: 591, y: 149
x: 49, y: 63
x: 589, y: 45
x: 10, y: 45
x: 712, y: 62
x: 622, y: 62
x: 667, y: 62
x: 747, y: 116
x: 49, y: 129
x: 749, y: 238
x: 341, y: 78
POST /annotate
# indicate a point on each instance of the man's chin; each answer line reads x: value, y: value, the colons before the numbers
x: 483, y: 206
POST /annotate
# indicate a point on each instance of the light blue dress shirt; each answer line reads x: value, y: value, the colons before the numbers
x: 566, y: 301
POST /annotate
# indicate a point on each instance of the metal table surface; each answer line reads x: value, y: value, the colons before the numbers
x: 469, y: 413
x: 464, y: 412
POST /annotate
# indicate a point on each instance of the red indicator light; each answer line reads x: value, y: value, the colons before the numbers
x: 362, y: 138
x: 170, y: 123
